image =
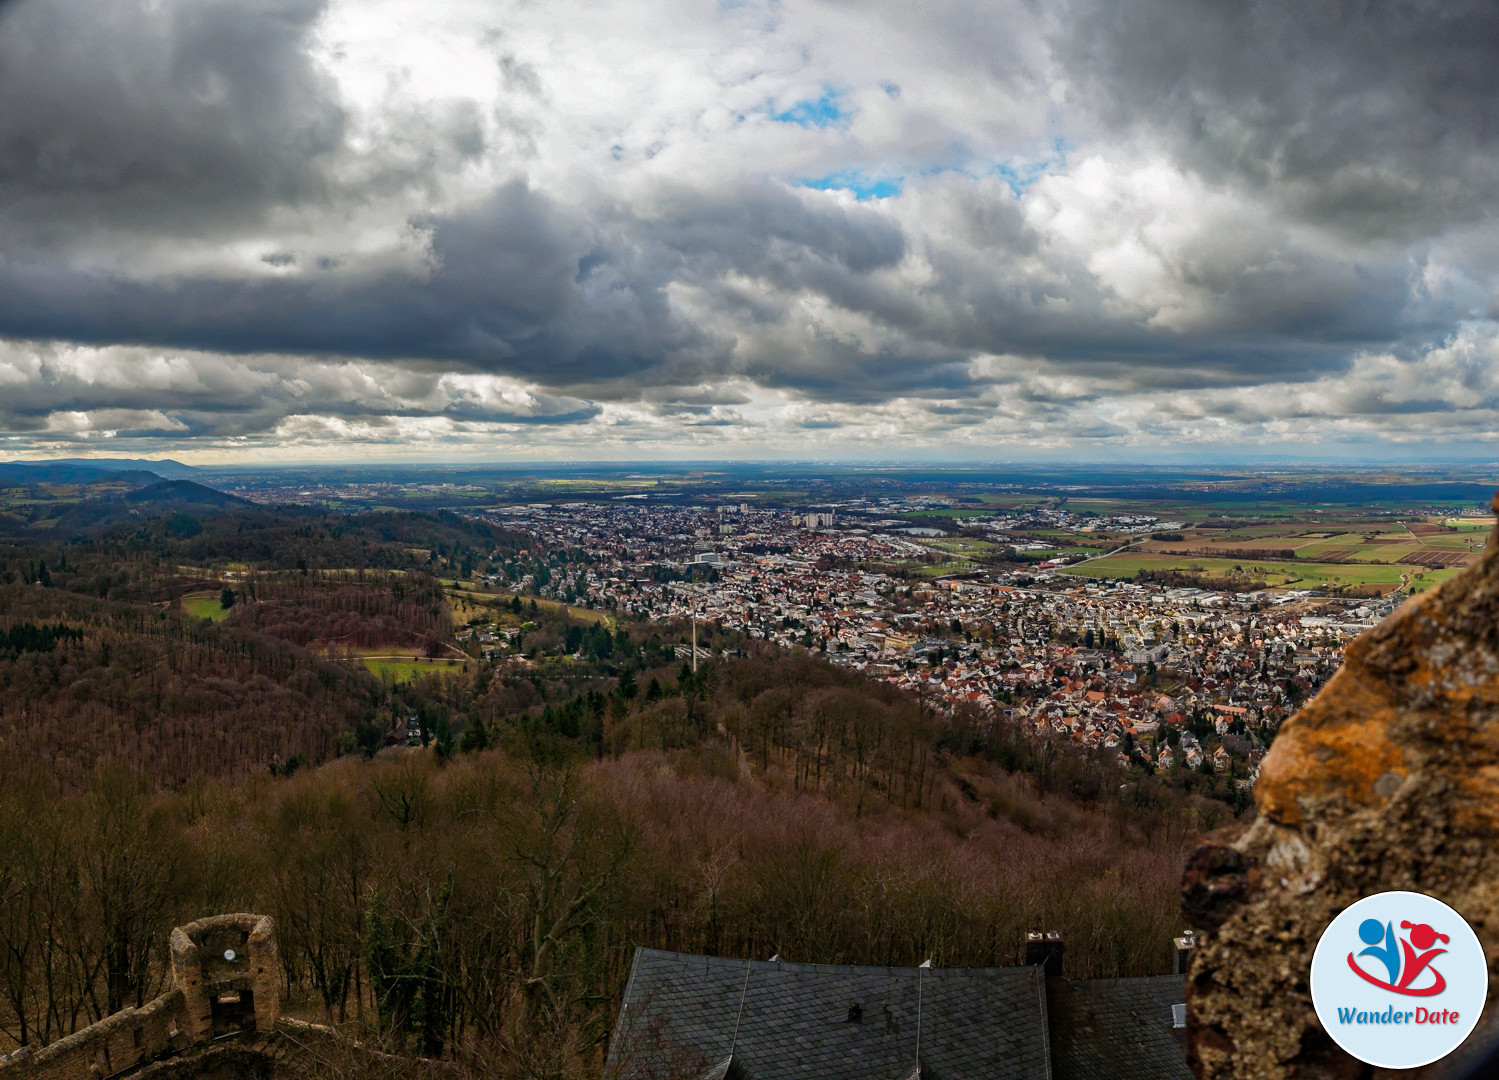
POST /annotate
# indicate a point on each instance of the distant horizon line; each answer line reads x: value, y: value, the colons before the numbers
x: 1182, y: 460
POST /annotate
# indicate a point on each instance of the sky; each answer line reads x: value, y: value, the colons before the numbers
x: 248, y: 231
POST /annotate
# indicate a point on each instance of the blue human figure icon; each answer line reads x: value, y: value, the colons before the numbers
x: 1371, y: 933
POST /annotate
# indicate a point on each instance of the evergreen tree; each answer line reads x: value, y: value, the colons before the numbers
x: 475, y: 737
x: 409, y: 978
x: 367, y: 738
x: 442, y: 737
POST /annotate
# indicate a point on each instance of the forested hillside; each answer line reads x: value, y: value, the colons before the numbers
x: 183, y: 735
x: 141, y: 681
x: 489, y: 906
x: 482, y: 897
x: 347, y: 611
x: 165, y: 694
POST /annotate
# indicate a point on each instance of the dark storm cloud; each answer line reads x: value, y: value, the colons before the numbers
x: 1375, y: 116
x: 515, y: 284
x: 171, y: 118
x: 217, y: 395
x: 501, y: 287
x: 1252, y: 193
x: 766, y: 230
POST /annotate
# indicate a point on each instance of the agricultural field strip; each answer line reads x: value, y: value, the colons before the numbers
x: 1412, y: 545
x: 1438, y: 558
x: 1308, y: 572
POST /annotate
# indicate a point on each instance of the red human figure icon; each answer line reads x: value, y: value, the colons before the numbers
x: 1423, y: 937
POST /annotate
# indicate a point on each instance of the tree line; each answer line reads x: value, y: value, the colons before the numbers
x: 484, y: 906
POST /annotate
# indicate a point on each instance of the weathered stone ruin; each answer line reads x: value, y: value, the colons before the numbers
x: 224, y: 976
x: 1388, y: 779
x: 220, y: 1020
x: 225, y: 970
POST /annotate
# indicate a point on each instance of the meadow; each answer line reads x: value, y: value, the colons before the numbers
x: 1276, y: 573
x: 205, y: 606
x: 401, y: 669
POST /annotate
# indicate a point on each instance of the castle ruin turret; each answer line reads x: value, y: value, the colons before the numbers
x: 226, y: 968
x: 224, y: 982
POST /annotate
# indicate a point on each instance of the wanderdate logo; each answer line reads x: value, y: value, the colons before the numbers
x: 1405, y: 966
x: 1399, y: 980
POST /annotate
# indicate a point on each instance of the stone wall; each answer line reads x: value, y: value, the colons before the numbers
x: 129, y: 1038
x: 1388, y: 779
x: 205, y: 1000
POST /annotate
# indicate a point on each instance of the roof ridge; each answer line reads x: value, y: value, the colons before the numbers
x: 738, y: 963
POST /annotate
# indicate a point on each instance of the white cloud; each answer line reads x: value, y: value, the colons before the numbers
x: 585, y: 226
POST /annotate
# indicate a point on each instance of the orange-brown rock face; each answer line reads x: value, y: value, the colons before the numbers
x: 1389, y: 779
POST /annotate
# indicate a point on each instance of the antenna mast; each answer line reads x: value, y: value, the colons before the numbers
x: 919, y: 976
x: 743, y: 992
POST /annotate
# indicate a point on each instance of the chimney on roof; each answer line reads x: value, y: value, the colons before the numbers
x: 1044, y: 950
x: 1184, y: 946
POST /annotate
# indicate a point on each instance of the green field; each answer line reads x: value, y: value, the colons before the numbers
x: 204, y: 606
x: 467, y: 602
x: 945, y: 512
x: 1473, y: 540
x: 1430, y: 578
x: 1308, y: 575
x: 936, y: 570
x: 961, y: 545
x: 403, y: 670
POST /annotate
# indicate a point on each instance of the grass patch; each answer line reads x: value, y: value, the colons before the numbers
x: 961, y: 545
x: 1431, y: 578
x: 936, y: 570
x: 946, y: 512
x: 205, y: 606
x: 1301, y: 575
x: 402, y: 669
x: 468, y: 601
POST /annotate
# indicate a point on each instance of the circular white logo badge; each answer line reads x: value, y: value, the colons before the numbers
x: 1399, y: 979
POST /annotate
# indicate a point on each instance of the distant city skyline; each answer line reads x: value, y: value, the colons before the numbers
x: 301, y: 231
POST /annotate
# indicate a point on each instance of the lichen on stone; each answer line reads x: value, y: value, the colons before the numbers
x: 1388, y: 779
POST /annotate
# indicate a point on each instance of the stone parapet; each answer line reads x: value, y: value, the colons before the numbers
x: 225, y: 981
x: 1387, y: 780
x: 125, y: 1040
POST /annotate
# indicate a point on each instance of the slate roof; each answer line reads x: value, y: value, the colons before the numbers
x: 1117, y: 1028
x: 810, y: 1020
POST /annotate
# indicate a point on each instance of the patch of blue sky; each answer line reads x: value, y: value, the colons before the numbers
x: 764, y: 15
x: 1020, y: 175
x: 826, y: 111
x: 862, y: 185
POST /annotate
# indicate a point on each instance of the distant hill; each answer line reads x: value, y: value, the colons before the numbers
x: 164, y: 467
x: 54, y: 509
x: 185, y: 492
x: 67, y: 472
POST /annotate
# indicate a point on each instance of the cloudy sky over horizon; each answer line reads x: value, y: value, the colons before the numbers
x: 236, y: 230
